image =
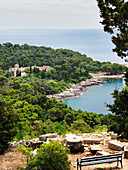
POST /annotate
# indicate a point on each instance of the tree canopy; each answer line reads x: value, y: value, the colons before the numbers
x: 8, y: 119
x: 115, y: 21
x: 119, y: 109
x: 24, y: 114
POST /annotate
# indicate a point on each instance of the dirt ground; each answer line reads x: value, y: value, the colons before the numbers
x: 13, y: 159
x: 107, y: 166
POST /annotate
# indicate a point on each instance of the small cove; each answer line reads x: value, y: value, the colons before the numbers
x: 95, y: 97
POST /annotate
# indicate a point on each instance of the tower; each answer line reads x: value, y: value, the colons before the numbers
x: 15, y: 69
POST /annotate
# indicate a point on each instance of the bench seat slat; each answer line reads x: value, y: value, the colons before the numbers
x: 98, y: 162
x: 100, y: 158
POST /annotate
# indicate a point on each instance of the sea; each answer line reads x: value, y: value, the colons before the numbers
x: 96, y: 97
x: 95, y: 43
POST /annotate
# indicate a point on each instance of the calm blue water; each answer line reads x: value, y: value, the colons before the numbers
x: 94, y: 43
x: 94, y: 99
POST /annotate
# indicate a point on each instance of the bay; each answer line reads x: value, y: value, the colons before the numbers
x: 94, y: 99
x: 95, y: 43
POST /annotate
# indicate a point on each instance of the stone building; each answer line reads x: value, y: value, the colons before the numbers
x: 22, y: 69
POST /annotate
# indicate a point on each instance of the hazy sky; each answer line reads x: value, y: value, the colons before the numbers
x: 66, y: 14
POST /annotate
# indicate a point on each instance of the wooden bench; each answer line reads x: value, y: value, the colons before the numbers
x: 100, y: 160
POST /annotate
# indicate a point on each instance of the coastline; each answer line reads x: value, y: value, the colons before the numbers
x: 77, y: 89
x: 101, y: 76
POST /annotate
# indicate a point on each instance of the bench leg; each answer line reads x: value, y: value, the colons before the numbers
x: 80, y: 167
x: 121, y: 164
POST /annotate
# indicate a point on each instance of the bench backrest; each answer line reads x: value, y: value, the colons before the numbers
x: 103, y: 157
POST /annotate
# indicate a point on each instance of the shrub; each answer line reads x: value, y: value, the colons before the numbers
x: 52, y: 156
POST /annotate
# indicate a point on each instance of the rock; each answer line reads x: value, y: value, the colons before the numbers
x: 125, y: 151
x: 86, y: 148
x: 14, y: 144
x: 36, y: 144
x: 72, y: 136
x: 43, y: 138
x: 102, y: 143
x: 125, y: 140
x: 115, y: 145
x: 75, y: 144
x: 95, y: 148
x: 87, y: 154
x: 50, y: 135
x: 102, y: 153
x: 34, y: 152
x: 21, y: 142
x: 74, y: 166
x: 76, y: 89
x: 27, y: 143
x: 100, y: 135
x: 113, y: 135
x: 92, y: 141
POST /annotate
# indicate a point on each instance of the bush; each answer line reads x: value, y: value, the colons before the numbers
x: 81, y: 126
x: 52, y: 156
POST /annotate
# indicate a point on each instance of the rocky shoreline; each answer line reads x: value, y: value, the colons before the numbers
x: 77, y: 89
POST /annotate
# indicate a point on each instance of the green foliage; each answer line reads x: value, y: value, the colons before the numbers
x: 105, y: 119
x: 119, y: 122
x: 8, y: 118
x: 25, y: 151
x: 54, y: 127
x: 3, y: 80
x: 1, y: 72
x: 50, y: 156
x: 35, y: 114
x: 81, y: 126
x: 115, y: 21
x: 27, y: 115
x: 99, y: 129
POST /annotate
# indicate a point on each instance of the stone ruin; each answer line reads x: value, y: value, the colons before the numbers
x: 87, y: 143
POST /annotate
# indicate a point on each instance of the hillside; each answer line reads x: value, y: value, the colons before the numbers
x: 60, y: 59
x: 25, y: 109
x: 66, y: 66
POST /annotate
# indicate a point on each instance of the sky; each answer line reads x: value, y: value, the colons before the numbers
x: 49, y: 14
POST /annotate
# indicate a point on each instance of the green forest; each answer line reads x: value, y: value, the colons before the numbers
x: 26, y: 112
x: 67, y: 66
